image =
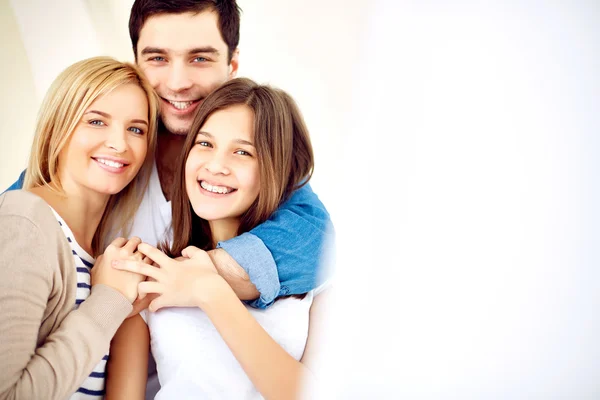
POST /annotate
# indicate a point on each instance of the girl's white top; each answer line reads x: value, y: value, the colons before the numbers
x: 193, y: 361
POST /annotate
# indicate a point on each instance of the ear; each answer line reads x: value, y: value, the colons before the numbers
x: 233, y: 65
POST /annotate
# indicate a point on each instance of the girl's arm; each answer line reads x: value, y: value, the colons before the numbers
x: 275, y: 373
x: 127, y: 368
x: 194, y: 281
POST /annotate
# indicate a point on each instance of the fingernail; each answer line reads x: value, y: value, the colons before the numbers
x: 114, y: 263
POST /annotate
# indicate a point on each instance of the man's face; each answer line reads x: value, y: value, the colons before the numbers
x: 184, y: 58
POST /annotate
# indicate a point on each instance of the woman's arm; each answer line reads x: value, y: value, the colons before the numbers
x: 127, y: 369
x: 29, y: 278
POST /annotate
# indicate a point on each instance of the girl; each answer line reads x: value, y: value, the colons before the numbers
x: 86, y: 173
x: 248, y: 150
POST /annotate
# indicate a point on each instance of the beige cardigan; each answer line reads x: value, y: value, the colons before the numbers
x: 47, y: 348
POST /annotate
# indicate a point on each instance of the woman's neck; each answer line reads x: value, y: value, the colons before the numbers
x: 82, y: 211
x: 223, y: 229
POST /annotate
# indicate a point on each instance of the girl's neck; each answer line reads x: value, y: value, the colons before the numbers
x: 223, y: 229
x: 81, y: 210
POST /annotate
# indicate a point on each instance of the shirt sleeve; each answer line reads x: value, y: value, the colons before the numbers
x: 18, y: 184
x: 282, y: 255
x: 54, y: 367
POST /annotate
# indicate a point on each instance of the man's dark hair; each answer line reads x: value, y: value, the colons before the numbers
x: 227, y: 11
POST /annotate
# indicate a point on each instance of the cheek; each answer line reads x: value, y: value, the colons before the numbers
x: 80, y: 141
x: 139, y: 147
x: 192, y: 165
x: 78, y: 145
x: 251, y: 178
x: 154, y: 76
x: 213, y: 78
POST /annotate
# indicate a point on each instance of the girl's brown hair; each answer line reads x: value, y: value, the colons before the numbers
x: 69, y: 96
x: 284, y: 152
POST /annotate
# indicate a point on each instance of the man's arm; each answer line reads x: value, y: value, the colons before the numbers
x: 234, y: 274
x: 19, y: 182
x: 280, y: 256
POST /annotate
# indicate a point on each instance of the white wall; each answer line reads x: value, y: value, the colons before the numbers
x: 471, y: 238
x: 18, y: 103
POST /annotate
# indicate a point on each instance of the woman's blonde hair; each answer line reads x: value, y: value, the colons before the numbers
x: 69, y: 96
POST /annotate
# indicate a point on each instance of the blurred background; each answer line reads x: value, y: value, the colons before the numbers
x: 457, y: 149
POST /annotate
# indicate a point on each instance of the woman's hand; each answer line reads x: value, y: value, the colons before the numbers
x: 123, y: 281
x: 186, y: 282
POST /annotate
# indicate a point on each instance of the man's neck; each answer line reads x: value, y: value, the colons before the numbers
x: 168, y: 155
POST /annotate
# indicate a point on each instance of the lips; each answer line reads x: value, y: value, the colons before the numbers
x: 181, y: 107
x: 111, y: 164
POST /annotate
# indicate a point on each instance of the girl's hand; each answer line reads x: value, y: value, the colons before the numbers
x: 123, y: 281
x: 188, y: 282
x: 142, y: 302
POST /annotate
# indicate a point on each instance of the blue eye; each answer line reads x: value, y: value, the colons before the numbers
x: 157, y: 58
x: 200, y: 59
x: 96, y: 122
x: 136, y: 130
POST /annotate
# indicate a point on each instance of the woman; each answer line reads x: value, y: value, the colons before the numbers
x: 86, y: 173
x: 248, y: 150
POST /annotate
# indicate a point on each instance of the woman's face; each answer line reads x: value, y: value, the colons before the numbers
x: 221, y: 172
x: 109, y: 144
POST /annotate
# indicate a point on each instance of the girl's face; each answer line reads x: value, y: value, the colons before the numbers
x: 109, y: 144
x: 221, y: 172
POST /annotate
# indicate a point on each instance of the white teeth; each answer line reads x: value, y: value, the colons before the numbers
x: 181, y: 105
x: 110, y: 163
x: 215, y: 189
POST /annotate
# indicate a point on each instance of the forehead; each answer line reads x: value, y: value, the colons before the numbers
x: 125, y: 101
x: 233, y: 122
x: 181, y: 32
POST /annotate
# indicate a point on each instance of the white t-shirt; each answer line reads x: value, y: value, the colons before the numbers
x: 151, y: 222
x: 194, y: 362
x: 153, y: 217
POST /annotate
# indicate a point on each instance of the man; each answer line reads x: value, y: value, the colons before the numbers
x: 187, y: 48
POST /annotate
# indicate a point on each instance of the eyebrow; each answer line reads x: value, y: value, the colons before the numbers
x: 106, y: 115
x: 153, y: 50
x: 195, y: 50
x: 240, y: 141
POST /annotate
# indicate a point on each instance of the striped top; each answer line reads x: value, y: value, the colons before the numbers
x: 93, y: 386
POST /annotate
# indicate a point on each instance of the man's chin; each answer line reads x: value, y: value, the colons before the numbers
x: 174, y: 127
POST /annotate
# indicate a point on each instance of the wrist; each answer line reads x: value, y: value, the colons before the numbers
x: 131, y: 296
x: 211, y: 291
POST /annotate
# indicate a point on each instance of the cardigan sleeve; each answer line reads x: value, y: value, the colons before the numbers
x: 55, y: 367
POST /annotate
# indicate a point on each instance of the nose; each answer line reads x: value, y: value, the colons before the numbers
x: 217, y: 165
x: 116, y: 139
x: 179, y: 78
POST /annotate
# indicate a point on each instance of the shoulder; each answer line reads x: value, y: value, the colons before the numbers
x: 29, y: 239
x: 28, y: 221
x: 305, y: 200
x: 21, y: 204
